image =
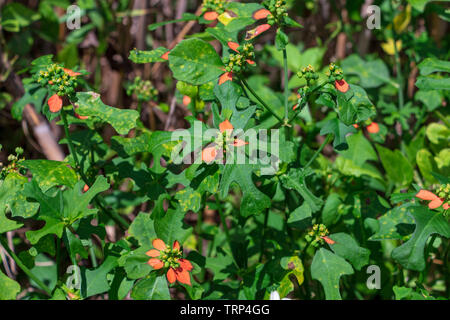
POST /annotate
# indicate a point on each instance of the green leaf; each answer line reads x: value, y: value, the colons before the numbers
x: 9, y: 288
x: 143, y: 229
x: 372, y: 74
x: 360, y: 149
x: 154, y: 287
x: 50, y: 173
x: 426, y: 165
x: 171, y: 226
x: 281, y: 39
x: 140, y: 56
x: 327, y: 268
x: 15, y: 16
x: 295, y: 179
x: 301, y: 217
x: 185, y: 17
x: 95, y: 281
x: 411, y: 254
x: 430, y: 65
x: 392, y: 224
x: 195, y: 61
x: 294, y: 266
x: 62, y: 207
x: 127, y: 147
x: 429, y: 83
x: 253, y: 201
x: 397, y: 167
x: 340, y: 131
x: 90, y: 104
x: 347, y: 247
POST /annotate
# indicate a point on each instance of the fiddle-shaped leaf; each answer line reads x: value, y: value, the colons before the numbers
x: 428, y: 222
x: 328, y: 268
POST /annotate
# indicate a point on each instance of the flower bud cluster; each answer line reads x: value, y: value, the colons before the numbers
x: 143, y: 89
x: 315, y: 236
x: 443, y: 192
x: 14, y: 164
x: 236, y: 62
x: 60, y: 80
x: 278, y: 12
x: 214, y: 5
x: 335, y: 73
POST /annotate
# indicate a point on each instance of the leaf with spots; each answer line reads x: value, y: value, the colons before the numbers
x: 428, y: 222
x: 9, y: 289
x: 140, y: 56
x: 393, y: 225
x: 294, y: 266
x: 12, y: 198
x: 50, y: 173
x: 153, y: 287
x: 195, y: 61
x: 90, y: 104
x: 328, y: 268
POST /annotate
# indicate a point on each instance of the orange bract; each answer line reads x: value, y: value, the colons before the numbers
x: 261, y: 14
x: 171, y: 275
x: 209, y: 154
x: 239, y: 143
x: 341, y: 85
x: 186, y: 100
x: 55, y: 103
x: 225, y: 125
x: 159, y: 244
x: 155, y: 263
x: 227, y: 76
x: 257, y: 31
x: 165, y: 56
x: 153, y: 253
x: 328, y: 240
x: 436, y: 203
x: 426, y: 195
x: 71, y: 73
x: 233, y: 46
x: 211, y: 15
x: 373, y: 127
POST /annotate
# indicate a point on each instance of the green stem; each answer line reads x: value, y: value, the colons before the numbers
x: 27, y: 271
x: 398, y: 67
x: 223, y: 220
x: 245, y: 84
x: 92, y: 254
x: 324, y: 143
x: 98, y: 200
x: 263, y: 236
x: 442, y: 117
x: 286, y: 89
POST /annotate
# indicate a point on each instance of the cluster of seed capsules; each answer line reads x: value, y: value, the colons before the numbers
x: 317, y: 234
x: 14, y: 164
x: 278, y: 12
x: 214, y: 5
x: 143, y: 89
x: 235, y: 62
x: 60, y: 80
